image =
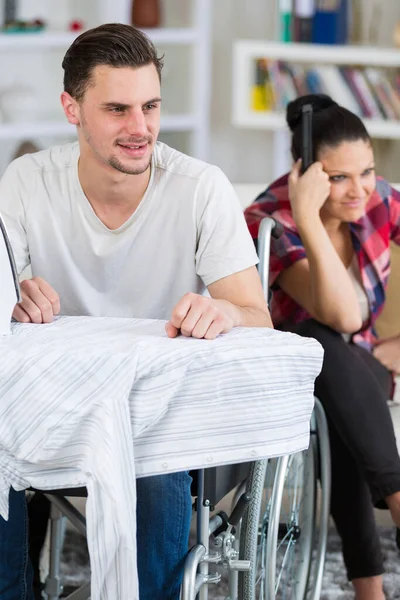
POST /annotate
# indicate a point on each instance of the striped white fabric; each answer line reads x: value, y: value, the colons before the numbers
x: 74, y: 394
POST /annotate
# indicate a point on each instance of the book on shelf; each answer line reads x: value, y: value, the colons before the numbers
x: 303, y: 13
x: 336, y: 87
x: 388, y: 93
x: 285, y: 16
x: 331, y: 22
x: 363, y: 93
x: 263, y: 96
x: 369, y: 92
x: 316, y: 21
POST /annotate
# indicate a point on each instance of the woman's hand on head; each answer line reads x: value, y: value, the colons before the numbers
x: 308, y: 192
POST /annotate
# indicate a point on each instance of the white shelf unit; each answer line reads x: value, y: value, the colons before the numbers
x: 197, y: 36
x: 21, y: 131
x: 62, y: 39
x: 246, y: 51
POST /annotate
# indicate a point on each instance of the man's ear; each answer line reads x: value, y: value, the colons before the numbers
x: 71, y: 108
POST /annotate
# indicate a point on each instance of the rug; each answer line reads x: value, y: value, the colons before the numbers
x: 75, y: 567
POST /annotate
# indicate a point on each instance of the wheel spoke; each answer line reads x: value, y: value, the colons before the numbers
x: 285, y: 556
x: 291, y: 560
x: 289, y: 533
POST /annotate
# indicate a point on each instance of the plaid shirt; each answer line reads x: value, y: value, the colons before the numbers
x: 371, y: 236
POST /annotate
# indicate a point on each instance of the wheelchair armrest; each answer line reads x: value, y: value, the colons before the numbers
x: 268, y: 227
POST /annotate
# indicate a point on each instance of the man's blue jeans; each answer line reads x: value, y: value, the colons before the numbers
x: 164, y: 509
x: 163, y: 514
x: 16, y: 573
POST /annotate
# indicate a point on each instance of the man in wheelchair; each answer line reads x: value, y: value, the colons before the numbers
x: 119, y: 224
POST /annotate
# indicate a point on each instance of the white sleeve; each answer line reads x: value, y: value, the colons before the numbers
x: 224, y: 244
x: 12, y: 210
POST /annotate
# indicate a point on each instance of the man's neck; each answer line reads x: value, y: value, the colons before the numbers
x: 114, y: 196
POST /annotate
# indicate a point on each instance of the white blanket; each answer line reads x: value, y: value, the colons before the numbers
x: 97, y: 402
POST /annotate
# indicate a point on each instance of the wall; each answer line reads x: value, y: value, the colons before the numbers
x: 242, y: 154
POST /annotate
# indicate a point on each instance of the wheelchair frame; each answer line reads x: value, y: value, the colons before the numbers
x: 232, y: 555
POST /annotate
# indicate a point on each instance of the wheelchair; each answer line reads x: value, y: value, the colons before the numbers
x: 273, y: 543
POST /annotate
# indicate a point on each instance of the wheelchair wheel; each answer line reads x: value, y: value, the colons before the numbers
x: 284, y: 531
x: 320, y: 442
x: 283, y: 521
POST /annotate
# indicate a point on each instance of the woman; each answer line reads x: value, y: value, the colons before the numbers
x: 328, y: 272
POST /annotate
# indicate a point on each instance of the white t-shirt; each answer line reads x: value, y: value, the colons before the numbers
x: 188, y: 232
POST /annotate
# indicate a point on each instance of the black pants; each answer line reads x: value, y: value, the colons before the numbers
x: 38, y: 515
x: 353, y: 388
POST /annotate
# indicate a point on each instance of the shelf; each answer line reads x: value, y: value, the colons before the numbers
x: 179, y: 122
x: 63, y: 39
x: 20, y: 131
x: 172, y: 36
x: 44, y: 39
x: 245, y: 51
x: 275, y: 121
x: 320, y: 53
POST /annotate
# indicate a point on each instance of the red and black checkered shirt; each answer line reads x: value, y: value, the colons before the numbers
x: 371, y: 236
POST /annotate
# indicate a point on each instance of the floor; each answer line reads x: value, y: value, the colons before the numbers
x: 335, y: 586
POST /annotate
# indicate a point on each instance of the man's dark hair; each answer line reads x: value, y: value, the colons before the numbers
x: 114, y: 45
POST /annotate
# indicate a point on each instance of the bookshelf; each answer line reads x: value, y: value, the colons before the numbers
x: 63, y: 39
x: 245, y: 52
x: 36, y: 65
x: 21, y: 130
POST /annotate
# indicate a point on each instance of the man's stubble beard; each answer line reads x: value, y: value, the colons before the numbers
x: 118, y: 166
x: 114, y: 162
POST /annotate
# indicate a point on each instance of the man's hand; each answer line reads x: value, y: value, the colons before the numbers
x: 387, y: 351
x: 40, y: 303
x: 200, y: 317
